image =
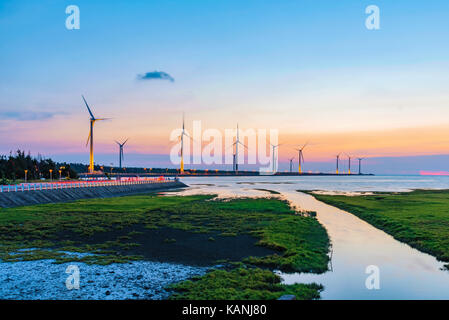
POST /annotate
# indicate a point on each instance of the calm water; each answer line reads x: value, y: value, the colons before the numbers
x: 405, y: 273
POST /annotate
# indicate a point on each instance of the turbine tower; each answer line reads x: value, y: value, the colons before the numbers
x: 349, y: 163
x: 338, y: 158
x: 181, y: 136
x: 360, y: 164
x: 91, y: 136
x: 274, y: 158
x: 301, y: 157
x: 236, y: 144
x: 120, y: 155
x: 291, y: 164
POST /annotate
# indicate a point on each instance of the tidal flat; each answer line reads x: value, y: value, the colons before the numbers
x: 239, y: 240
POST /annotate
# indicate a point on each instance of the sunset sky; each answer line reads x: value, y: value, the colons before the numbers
x: 310, y: 69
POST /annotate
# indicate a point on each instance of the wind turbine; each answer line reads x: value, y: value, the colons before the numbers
x: 236, y: 144
x: 360, y: 164
x: 349, y: 163
x: 291, y: 162
x: 338, y: 158
x: 301, y: 157
x: 120, y: 155
x: 181, y: 136
x: 274, y: 159
x: 91, y: 136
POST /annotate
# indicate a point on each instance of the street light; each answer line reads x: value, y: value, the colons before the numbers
x: 51, y: 174
x: 26, y: 172
x: 60, y: 172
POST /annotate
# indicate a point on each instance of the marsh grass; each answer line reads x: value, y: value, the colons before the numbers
x: 301, y: 241
x: 241, y: 283
x: 109, y: 229
x: 419, y: 218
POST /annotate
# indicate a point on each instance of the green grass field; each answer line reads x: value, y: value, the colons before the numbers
x: 419, y: 218
x: 299, y: 242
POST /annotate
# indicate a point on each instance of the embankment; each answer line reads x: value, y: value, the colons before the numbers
x: 26, y: 198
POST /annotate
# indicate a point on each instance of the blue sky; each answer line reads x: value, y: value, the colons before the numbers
x: 309, y: 68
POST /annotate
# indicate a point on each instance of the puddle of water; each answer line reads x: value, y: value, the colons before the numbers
x: 405, y: 273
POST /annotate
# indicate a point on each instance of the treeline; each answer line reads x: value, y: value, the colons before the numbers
x: 13, y: 167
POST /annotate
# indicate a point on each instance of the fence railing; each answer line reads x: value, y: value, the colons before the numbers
x: 82, y: 184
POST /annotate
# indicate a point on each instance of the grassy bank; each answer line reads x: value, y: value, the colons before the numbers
x: 419, y: 218
x: 240, y: 284
x: 259, y: 233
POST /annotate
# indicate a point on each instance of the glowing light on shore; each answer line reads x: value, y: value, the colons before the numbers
x: 434, y: 173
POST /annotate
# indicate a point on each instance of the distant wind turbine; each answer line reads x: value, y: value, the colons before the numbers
x: 301, y: 157
x: 291, y: 164
x: 360, y: 164
x: 181, y: 136
x: 349, y: 163
x: 91, y: 136
x: 236, y: 144
x: 338, y: 158
x: 120, y: 155
x: 274, y: 158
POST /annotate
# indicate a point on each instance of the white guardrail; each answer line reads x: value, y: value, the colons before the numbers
x: 81, y: 184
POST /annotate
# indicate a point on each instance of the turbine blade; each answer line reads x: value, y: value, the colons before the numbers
x: 88, y: 139
x: 243, y: 145
x: 183, y: 121
x: 187, y: 135
x: 88, y: 109
x: 125, y: 142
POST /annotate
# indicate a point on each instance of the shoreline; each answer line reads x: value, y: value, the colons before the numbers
x: 36, y: 197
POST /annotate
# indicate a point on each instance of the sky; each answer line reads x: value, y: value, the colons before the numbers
x: 310, y: 69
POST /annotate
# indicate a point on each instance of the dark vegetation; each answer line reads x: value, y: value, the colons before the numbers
x: 269, y: 191
x: 13, y: 167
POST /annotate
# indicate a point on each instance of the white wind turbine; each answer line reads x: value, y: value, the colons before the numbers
x: 236, y: 144
x: 181, y: 136
x: 291, y: 164
x: 274, y: 158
